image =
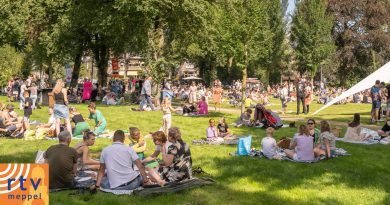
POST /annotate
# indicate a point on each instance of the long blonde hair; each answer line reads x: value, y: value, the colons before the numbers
x: 59, y: 85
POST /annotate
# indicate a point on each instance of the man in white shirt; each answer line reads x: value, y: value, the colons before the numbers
x: 118, y: 160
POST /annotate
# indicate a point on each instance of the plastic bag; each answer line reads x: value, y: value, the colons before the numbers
x: 244, y: 146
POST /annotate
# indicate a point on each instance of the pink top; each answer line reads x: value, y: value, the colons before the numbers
x: 87, y: 90
x: 304, y: 148
x: 203, y: 108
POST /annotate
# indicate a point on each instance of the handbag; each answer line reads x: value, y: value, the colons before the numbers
x: 244, y: 146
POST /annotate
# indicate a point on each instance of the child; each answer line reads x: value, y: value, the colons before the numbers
x: 137, y: 142
x: 212, y: 133
x: 268, y: 144
x: 27, y: 110
x: 166, y: 107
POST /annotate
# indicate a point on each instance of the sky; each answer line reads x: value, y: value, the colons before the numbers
x: 291, y: 6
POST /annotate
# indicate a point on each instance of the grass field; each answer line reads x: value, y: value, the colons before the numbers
x: 363, y: 178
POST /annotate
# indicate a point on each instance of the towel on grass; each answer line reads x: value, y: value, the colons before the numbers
x: 282, y: 156
x: 225, y: 142
x: 168, y: 188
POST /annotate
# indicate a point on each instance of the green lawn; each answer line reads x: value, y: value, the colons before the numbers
x: 363, y: 178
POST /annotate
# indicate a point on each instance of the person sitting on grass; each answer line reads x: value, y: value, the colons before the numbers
x: 177, y: 161
x: 12, y: 116
x: 80, y: 124
x: 100, y: 121
x: 327, y: 141
x: 212, y: 132
x: 313, y: 131
x: 223, y: 129
x: 137, y: 142
x: 62, y: 161
x: 160, y: 140
x: 301, y: 147
x: 268, y: 144
x: 203, y: 107
x: 245, y: 119
x: 354, y: 130
x: 49, y: 128
x: 385, y: 131
x: 84, y: 161
x: 117, y: 166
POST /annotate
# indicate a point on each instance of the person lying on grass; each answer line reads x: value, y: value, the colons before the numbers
x: 96, y: 115
x: 137, y: 142
x: 177, y: 162
x: 301, y: 148
x: 385, y: 131
x: 117, y: 166
x: 84, y: 161
x: 327, y: 141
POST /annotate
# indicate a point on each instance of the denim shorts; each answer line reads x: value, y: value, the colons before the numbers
x: 61, y: 111
x: 376, y: 104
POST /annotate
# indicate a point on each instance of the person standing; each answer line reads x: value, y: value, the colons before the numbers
x: 15, y: 90
x: 33, y: 94
x: 87, y: 90
x: 387, y: 93
x: 375, y: 93
x: 23, y: 88
x: 308, y: 96
x: 193, y: 93
x: 9, y: 89
x: 217, y: 95
x: 61, y: 110
x: 146, y: 94
x: 284, y: 97
x: 301, y: 96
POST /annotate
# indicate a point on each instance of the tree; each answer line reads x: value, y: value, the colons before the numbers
x: 361, y: 36
x: 311, y: 35
x: 11, y: 63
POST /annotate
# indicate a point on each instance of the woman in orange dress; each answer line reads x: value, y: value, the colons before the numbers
x: 217, y: 95
x: 308, y: 96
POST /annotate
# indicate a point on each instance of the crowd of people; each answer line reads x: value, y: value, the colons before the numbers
x: 126, y: 167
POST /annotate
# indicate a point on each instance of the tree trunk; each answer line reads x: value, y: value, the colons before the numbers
x: 244, y: 77
x: 50, y: 68
x: 102, y: 65
x: 229, y: 68
x: 76, y: 68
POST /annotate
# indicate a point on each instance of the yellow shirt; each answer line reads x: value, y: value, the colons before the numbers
x: 138, y: 148
x: 248, y: 102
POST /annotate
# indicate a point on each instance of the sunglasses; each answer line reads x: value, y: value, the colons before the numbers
x: 310, y: 123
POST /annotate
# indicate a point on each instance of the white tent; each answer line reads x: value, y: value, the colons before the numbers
x: 382, y: 74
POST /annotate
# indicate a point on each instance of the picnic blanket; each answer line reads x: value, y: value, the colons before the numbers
x: 376, y: 139
x: 225, y: 142
x: 364, y: 142
x: 282, y: 156
x: 168, y: 188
